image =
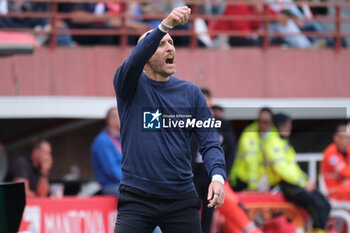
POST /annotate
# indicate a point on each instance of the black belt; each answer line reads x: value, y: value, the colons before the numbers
x: 189, y: 195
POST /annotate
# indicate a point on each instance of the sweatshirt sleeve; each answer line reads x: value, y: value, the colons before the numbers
x: 250, y: 153
x: 208, y: 139
x: 109, y: 159
x: 106, y: 158
x: 289, y: 172
x: 127, y: 75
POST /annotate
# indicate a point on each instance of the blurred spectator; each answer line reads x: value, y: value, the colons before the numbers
x: 299, y: 20
x: 82, y: 21
x: 3, y: 7
x: 33, y: 169
x: 106, y: 154
x: 283, y: 170
x: 304, y: 18
x: 82, y: 11
x: 244, y: 25
x: 26, y: 6
x: 335, y: 166
x: 227, y: 136
x: 236, y: 219
x: 212, y: 9
x: 319, y: 10
x: 248, y: 26
x: 248, y: 172
x: 3, y: 163
x: 201, y: 178
x: 160, y: 8
x: 116, y: 9
x: 156, y: 8
x: 218, y: 111
x: 39, y: 24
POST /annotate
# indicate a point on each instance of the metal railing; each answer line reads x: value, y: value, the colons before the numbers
x: 124, y: 32
x: 311, y: 159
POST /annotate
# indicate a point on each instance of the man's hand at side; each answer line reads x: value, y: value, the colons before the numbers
x: 45, y: 164
x: 179, y: 15
x: 216, y: 194
x: 310, y: 186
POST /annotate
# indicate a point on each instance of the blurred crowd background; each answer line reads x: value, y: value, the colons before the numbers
x: 244, y: 18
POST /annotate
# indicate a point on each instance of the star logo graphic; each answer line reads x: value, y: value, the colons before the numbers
x: 152, y: 119
x: 156, y: 115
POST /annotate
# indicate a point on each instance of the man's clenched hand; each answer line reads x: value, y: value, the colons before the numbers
x: 179, y: 15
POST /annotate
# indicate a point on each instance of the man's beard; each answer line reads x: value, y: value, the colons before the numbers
x: 157, y: 69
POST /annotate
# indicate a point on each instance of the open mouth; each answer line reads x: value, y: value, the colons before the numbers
x: 169, y: 60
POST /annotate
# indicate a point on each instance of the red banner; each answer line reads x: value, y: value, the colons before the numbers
x: 69, y: 215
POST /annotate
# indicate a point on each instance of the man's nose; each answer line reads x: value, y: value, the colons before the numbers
x: 170, y: 47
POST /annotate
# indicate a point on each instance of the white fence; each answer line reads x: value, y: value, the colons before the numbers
x: 311, y: 159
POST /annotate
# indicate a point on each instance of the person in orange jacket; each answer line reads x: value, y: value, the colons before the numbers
x: 335, y: 166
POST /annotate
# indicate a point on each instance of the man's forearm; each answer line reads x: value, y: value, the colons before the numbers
x: 145, y: 49
x: 28, y: 191
x: 43, y: 187
x: 126, y: 77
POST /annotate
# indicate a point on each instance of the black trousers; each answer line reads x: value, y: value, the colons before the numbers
x: 140, y: 214
x: 314, y: 202
x: 240, y: 185
x: 202, y: 180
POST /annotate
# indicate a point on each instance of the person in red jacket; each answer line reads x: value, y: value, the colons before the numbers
x: 335, y: 166
x: 244, y: 25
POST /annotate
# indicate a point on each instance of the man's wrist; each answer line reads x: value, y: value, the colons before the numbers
x: 44, y: 175
x: 219, y: 178
x: 164, y: 27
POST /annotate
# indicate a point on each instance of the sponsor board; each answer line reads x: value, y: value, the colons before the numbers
x: 69, y: 215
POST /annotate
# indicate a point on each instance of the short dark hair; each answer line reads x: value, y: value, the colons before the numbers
x: 280, y: 119
x: 217, y: 107
x: 37, y: 143
x: 340, y: 128
x: 206, y: 92
x: 266, y: 109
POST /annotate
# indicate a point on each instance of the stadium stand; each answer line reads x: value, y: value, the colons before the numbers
x: 59, y: 20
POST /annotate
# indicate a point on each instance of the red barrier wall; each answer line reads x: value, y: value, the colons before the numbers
x: 70, y: 215
x: 233, y: 73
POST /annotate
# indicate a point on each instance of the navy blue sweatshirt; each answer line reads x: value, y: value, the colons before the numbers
x: 158, y: 161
